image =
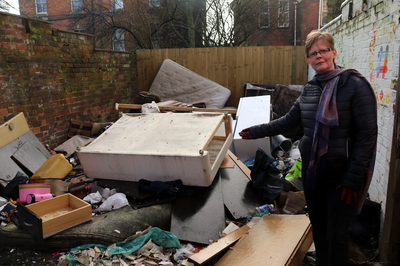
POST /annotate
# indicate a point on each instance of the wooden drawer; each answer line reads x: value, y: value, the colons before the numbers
x: 46, y: 218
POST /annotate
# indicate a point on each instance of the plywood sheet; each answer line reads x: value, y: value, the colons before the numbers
x: 272, y: 241
x: 200, y: 217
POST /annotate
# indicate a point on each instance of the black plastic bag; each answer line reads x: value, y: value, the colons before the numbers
x: 266, y: 178
x: 12, y: 189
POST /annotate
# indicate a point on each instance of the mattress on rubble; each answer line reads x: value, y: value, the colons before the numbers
x: 160, y: 147
x: 175, y: 82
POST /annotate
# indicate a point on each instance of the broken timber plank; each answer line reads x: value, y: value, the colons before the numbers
x: 240, y: 164
x: 13, y: 129
x: 275, y: 240
x: 217, y: 247
x: 173, y: 108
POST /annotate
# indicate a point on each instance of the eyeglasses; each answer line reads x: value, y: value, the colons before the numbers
x: 321, y: 52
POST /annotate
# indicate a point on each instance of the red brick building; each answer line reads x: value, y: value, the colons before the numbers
x: 286, y: 22
x: 64, y: 14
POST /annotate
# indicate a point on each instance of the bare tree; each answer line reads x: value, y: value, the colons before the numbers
x: 5, y: 6
x: 180, y: 23
x: 145, y: 25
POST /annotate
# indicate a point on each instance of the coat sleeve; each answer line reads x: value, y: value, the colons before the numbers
x: 280, y: 125
x: 364, y: 117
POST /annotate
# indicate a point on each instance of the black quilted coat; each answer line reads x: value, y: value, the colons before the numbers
x: 351, y: 143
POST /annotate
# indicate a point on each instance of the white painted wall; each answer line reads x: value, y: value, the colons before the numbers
x: 370, y: 43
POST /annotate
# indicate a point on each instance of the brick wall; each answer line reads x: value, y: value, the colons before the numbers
x: 53, y: 75
x: 369, y: 42
x: 306, y: 21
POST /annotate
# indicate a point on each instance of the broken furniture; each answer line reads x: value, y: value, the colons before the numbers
x: 175, y: 82
x: 46, y: 218
x: 159, y: 147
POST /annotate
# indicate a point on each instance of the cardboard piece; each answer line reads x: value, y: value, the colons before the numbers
x: 69, y: 146
x: 274, y: 240
x: 79, y: 127
x: 291, y: 203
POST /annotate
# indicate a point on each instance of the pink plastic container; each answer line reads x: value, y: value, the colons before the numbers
x: 36, y: 188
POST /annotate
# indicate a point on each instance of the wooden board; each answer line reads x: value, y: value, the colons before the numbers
x: 226, y: 162
x: 8, y: 167
x: 217, y: 247
x: 240, y: 164
x: 199, y: 218
x: 274, y: 241
x: 29, y: 158
x: 238, y: 193
x: 13, y: 129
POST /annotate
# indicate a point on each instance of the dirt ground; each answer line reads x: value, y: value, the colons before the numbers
x: 19, y: 256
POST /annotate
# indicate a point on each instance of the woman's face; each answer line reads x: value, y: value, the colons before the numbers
x: 321, y: 62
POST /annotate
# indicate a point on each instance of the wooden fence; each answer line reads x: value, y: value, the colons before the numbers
x: 231, y: 67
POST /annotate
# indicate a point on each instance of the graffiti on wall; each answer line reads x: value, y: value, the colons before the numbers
x: 382, y: 55
x: 383, y: 96
x: 388, y: 26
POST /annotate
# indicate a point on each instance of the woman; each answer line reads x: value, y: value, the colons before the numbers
x: 337, y: 110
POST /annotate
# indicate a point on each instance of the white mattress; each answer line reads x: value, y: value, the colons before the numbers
x: 175, y: 82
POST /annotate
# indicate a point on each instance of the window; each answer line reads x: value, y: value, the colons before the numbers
x: 263, y: 16
x: 119, y: 40
x: 41, y: 7
x: 117, y: 4
x: 154, y: 3
x: 283, y: 13
x: 76, y: 6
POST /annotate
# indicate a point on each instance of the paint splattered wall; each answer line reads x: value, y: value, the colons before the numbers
x: 367, y: 39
